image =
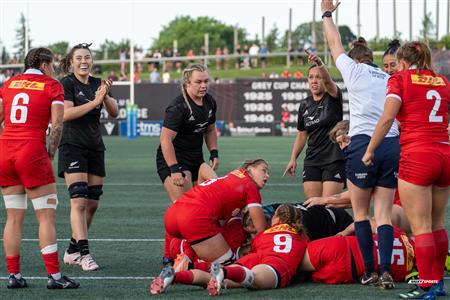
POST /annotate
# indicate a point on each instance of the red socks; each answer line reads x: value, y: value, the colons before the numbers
x: 204, y: 266
x: 13, y: 264
x: 235, y: 273
x: 51, y: 262
x: 425, y: 251
x: 184, y: 277
x: 441, y: 244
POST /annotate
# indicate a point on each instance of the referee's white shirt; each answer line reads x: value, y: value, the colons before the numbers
x: 366, y: 86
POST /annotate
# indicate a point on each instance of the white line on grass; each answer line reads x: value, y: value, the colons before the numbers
x: 102, y: 240
x: 92, y: 278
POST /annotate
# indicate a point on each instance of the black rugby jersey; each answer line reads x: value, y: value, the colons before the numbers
x: 84, y: 131
x: 319, y: 222
x: 190, y: 128
x: 318, y: 118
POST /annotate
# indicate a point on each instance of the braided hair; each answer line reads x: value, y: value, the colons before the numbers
x: 186, y: 77
x: 65, y: 62
x: 37, y: 56
x: 288, y: 214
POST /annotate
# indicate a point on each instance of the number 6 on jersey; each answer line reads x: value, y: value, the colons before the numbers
x: 19, y: 112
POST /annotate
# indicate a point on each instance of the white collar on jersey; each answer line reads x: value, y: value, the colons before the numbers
x: 34, y: 71
x: 412, y: 67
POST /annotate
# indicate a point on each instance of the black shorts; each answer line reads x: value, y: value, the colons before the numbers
x: 73, y: 159
x: 164, y: 171
x: 331, y: 172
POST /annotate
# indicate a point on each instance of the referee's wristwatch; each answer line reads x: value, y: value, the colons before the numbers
x: 327, y: 14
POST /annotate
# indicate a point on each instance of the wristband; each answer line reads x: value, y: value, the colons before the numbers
x: 326, y: 14
x: 213, y: 154
x: 175, y: 168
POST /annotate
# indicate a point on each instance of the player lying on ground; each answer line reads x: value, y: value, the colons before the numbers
x: 275, y: 256
x: 338, y: 260
x: 196, y: 215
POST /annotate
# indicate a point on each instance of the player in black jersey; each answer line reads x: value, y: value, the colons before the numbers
x: 319, y: 221
x: 190, y: 118
x: 81, y: 151
x: 324, y: 166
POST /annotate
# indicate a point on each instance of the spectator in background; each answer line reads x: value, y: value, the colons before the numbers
x: 139, y: 55
x: 246, y: 59
x: 154, y: 76
x: 286, y: 74
x: 237, y: 50
x: 123, y: 60
x: 389, y: 59
x: 300, y: 56
x: 123, y: 76
x: 225, y: 59
x: 157, y: 55
x: 190, y: 53
x: 218, y: 59
x: 254, y: 51
x: 166, y: 77
x: 167, y: 64
x: 264, y: 52
x: 178, y: 63
x: 150, y: 64
x: 274, y: 75
x: 324, y: 166
x: 285, y: 115
x: 298, y: 74
x: 112, y: 76
x: 2, y: 77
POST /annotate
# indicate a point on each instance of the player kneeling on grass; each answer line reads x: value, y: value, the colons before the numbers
x: 274, y: 258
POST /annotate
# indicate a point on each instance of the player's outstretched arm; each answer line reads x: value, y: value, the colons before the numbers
x: 331, y: 32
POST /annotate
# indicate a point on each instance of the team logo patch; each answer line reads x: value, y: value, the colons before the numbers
x: 27, y: 85
x: 427, y: 80
x: 281, y: 227
x: 238, y: 173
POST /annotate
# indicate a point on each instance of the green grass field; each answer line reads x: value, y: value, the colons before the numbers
x: 126, y: 237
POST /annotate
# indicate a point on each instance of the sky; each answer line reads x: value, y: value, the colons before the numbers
x: 94, y: 21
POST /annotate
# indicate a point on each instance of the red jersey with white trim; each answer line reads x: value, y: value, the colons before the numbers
x: 27, y: 100
x: 425, y: 99
x: 281, y: 241
x: 226, y: 196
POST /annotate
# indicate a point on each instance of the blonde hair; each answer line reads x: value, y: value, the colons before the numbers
x: 416, y: 53
x: 186, y: 77
x: 341, y: 128
x: 253, y: 163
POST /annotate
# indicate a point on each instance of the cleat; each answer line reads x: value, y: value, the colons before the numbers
x: 418, y: 293
x: 217, y: 278
x: 88, y: 263
x: 15, y: 283
x: 181, y: 263
x: 63, y: 283
x: 447, y: 262
x: 413, y: 275
x: 72, y: 258
x: 167, y: 261
x: 440, y: 291
x: 161, y: 283
x: 372, y: 279
x: 386, y: 281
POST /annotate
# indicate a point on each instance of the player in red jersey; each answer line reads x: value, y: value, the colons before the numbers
x: 419, y: 99
x: 338, y: 259
x: 28, y: 102
x: 275, y: 256
x: 196, y: 215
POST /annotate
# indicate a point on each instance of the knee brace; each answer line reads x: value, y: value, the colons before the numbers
x: 95, y: 191
x: 15, y: 201
x: 78, y: 190
x: 47, y: 201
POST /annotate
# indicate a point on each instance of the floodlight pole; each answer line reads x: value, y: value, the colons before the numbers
x: 132, y: 55
x: 27, y: 25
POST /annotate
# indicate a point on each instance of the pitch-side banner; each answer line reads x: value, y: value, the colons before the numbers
x: 246, y: 106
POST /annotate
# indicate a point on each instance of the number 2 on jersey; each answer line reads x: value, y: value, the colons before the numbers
x: 283, y: 243
x: 19, y: 112
x: 433, y: 94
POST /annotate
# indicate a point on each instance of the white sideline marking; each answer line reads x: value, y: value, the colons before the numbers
x: 91, y: 278
x: 102, y: 240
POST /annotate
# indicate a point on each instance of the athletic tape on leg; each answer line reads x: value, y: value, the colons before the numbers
x: 248, y: 281
x: 49, y: 249
x: 47, y: 201
x: 227, y: 258
x: 15, y: 201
